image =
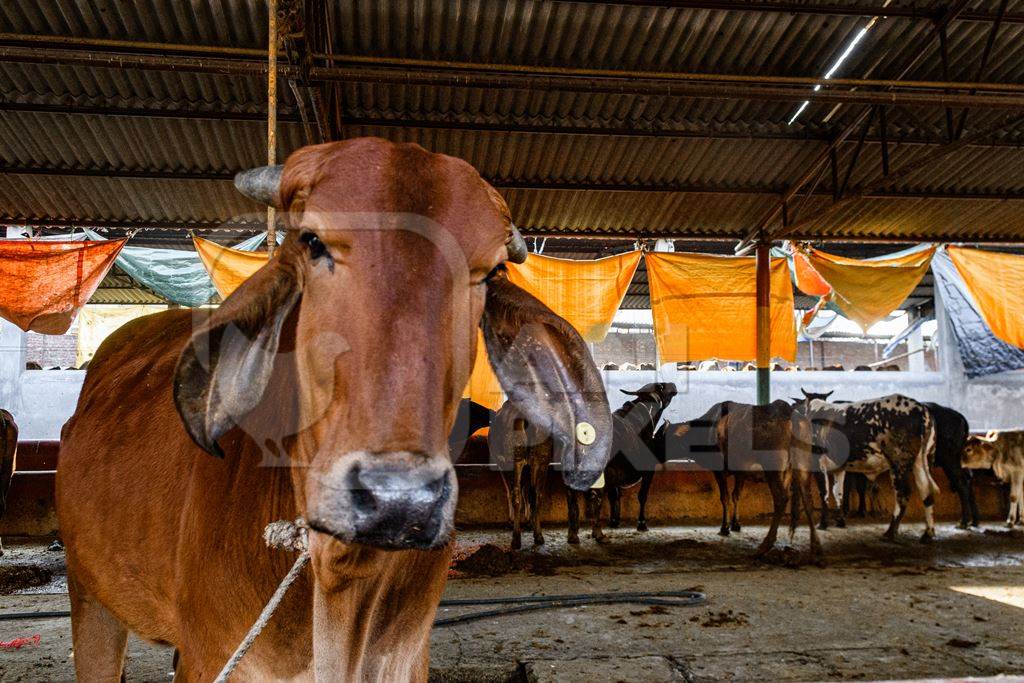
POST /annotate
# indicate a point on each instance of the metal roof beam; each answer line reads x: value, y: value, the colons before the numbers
x: 521, y: 77
x: 813, y: 8
x: 535, y: 185
x: 624, y: 235
x: 641, y: 130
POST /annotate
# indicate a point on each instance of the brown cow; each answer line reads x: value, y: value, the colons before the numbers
x: 8, y: 458
x: 350, y: 348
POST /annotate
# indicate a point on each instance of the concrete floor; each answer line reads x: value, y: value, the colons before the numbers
x: 876, y: 611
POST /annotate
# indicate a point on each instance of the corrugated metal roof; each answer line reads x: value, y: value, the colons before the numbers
x: 638, y: 185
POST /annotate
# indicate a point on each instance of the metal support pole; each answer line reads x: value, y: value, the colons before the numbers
x: 764, y: 323
x: 272, y: 115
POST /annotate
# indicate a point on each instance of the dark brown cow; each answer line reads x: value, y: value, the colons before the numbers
x: 747, y: 440
x: 341, y: 362
x: 8, y: 458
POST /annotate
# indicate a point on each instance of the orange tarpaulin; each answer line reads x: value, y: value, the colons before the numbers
x: 586, y: 293
x: 228, y: 267
x: 704, y: 307
x: 46, y: 283
x: 807, y: 279
x: 996, y: 282
x: 483, y: 387
x: 867, y: 291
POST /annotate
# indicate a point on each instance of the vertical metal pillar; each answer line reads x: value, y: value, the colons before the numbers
x: 271, y: 115
x: 764, y: 323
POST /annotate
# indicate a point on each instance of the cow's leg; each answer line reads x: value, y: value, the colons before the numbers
x: 538, y: 478
x: 723, y: 496
x: 737, y: 491
x: 516, y: 491
x: 645, y: 489
x: 861, y: 485
x: 573, y: 503
x: 804, y: 493
x: 838, y: 482
x: 595, y: 501
x: 1016, y: 499
x: 972, y: 502
x: 614, y: 507
x: 780, y: 499
x: 821, y: 480
x: 923, y: 481
x: 958, y: 481
x: 98, y: 639
x: 901, y: 496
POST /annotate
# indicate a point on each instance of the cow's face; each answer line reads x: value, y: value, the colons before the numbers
x: 979, y: 453
x: 392, y: 261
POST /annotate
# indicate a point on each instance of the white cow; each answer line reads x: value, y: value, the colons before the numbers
x: 1004, y: 453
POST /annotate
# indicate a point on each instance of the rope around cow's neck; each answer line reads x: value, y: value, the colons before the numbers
x: 288, y: 536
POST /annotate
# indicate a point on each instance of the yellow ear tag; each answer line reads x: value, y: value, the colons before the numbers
x: 585, y: 433
x: 599, y: 484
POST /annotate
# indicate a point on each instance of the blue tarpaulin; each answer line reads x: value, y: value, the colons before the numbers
x: 177, y: 275
x: 981, y: 351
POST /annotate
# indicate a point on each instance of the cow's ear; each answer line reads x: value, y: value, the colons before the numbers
x: 548, y: 374
x: 224, y: 369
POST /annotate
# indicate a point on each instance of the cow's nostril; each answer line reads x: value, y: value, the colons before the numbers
x: 363, y: 500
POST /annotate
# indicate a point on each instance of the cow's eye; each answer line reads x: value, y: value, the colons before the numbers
x: 313, y: 243
x: 494, y: 271
x: 317, y: 249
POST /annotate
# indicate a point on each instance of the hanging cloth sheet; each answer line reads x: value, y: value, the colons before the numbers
x: 175, y: 274
x: 704, y: 307
x: 981, y: 351
x: 996, y: 282
x: 865, y: 290
x: 228, y: 268
x: 45, y: 283
x: 586, y: 293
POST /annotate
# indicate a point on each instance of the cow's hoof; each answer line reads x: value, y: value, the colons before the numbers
x: 574, y: 540
x: 735, y: 526
x: 641, y: 526
x: 822, y: 526
x: 927, y: 537
x: 614, y: 523
x: 840, y: 523
x: 516, y: 544
x: 962, y: 526
x: 724, y: 531
x: 603, y: 540
x: 538, y: 540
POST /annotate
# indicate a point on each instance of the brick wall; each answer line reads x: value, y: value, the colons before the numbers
x: 52, y: 350
x: 639, y: 347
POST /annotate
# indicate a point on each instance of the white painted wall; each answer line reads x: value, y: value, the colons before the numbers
x: 42, y: 400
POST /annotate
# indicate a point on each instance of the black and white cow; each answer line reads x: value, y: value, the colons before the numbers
x: 1004, y: 453
x: 892, y: 433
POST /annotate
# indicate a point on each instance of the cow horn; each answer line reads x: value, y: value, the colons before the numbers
x: 516, y: 246
x: 261, y: 183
